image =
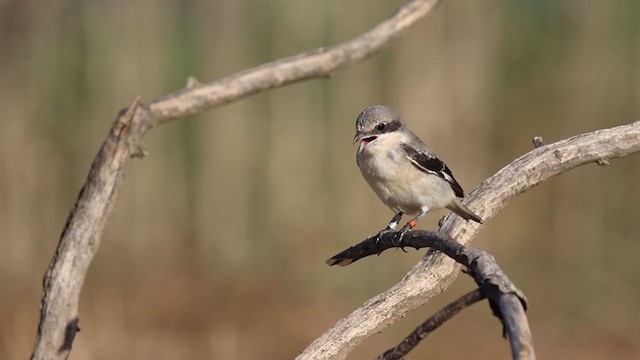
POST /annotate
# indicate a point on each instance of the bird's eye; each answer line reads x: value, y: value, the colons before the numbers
x: 381, y: 126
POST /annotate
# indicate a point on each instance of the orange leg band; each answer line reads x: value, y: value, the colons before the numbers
x: 412, y: 223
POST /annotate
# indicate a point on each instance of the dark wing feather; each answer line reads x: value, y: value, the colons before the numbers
x: 430, y: 164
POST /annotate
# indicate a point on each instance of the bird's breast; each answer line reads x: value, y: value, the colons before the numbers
x: 380, y: 165
x: 399, y: 184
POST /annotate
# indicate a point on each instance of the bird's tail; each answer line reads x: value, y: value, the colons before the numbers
x: 464, y: 212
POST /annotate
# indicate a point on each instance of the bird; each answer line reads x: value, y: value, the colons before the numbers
x: 403, y: 172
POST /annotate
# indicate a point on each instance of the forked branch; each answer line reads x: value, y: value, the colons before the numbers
x: 421, y: 332
x: 436, y: 271
x: 481, y: 266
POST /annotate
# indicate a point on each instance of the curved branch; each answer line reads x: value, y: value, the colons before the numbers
x: 313, y: 64
x: 83, y: 230
x: 426, y: 328
x: 436, y: 271
x: 507, y: 302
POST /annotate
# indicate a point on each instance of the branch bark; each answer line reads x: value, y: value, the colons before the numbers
x: 85, y: 224
x: 507, y: 302
x: 319, y: 63
x: 436, y: 271
x: 421, y: 332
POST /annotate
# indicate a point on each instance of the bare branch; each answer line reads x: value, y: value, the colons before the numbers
x: 516, y: 326
x: 436, y: 271
x: 481, y: 266
x: 80, y: 239
x: 85, y: 224
x: 432, y: 323
x: 319, y: 63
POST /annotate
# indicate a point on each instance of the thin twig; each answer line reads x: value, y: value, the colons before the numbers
x: 432, y: 323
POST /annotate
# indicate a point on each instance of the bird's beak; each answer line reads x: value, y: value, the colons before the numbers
x: 358, y: 137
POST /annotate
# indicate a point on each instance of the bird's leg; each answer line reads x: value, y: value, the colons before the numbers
x: 392, y: 225
x: 411, y: 224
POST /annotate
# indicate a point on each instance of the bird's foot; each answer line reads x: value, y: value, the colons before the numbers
x: 382, y: 233
x: 400, y: 235
x: 405, y: 229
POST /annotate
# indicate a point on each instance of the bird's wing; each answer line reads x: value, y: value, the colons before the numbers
x: 428, y: 163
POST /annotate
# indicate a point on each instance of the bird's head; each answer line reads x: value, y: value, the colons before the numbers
x: 376, y: 122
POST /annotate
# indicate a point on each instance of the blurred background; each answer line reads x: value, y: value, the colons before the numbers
x: 217, y: 244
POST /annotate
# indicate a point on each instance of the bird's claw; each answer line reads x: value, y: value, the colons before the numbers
x: 381, y: 234
x: 400, y: 235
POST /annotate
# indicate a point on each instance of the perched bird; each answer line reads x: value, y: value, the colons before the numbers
x: 404, y: 173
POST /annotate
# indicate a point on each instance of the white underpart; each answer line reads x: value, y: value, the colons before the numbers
x: 397, y: 182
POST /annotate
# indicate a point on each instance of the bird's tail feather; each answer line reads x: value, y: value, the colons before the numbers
x: 464, y: 212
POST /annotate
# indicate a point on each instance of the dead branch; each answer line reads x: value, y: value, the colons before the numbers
x: 319, y: 63
x: 421, y: 332
x: 436, y: 271
x: 83, y: 230
x: 494, y: 284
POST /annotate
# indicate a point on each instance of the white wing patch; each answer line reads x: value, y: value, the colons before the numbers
x: 419, y: 166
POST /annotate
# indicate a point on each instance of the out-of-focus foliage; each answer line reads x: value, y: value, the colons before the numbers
x: 216, y: 247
